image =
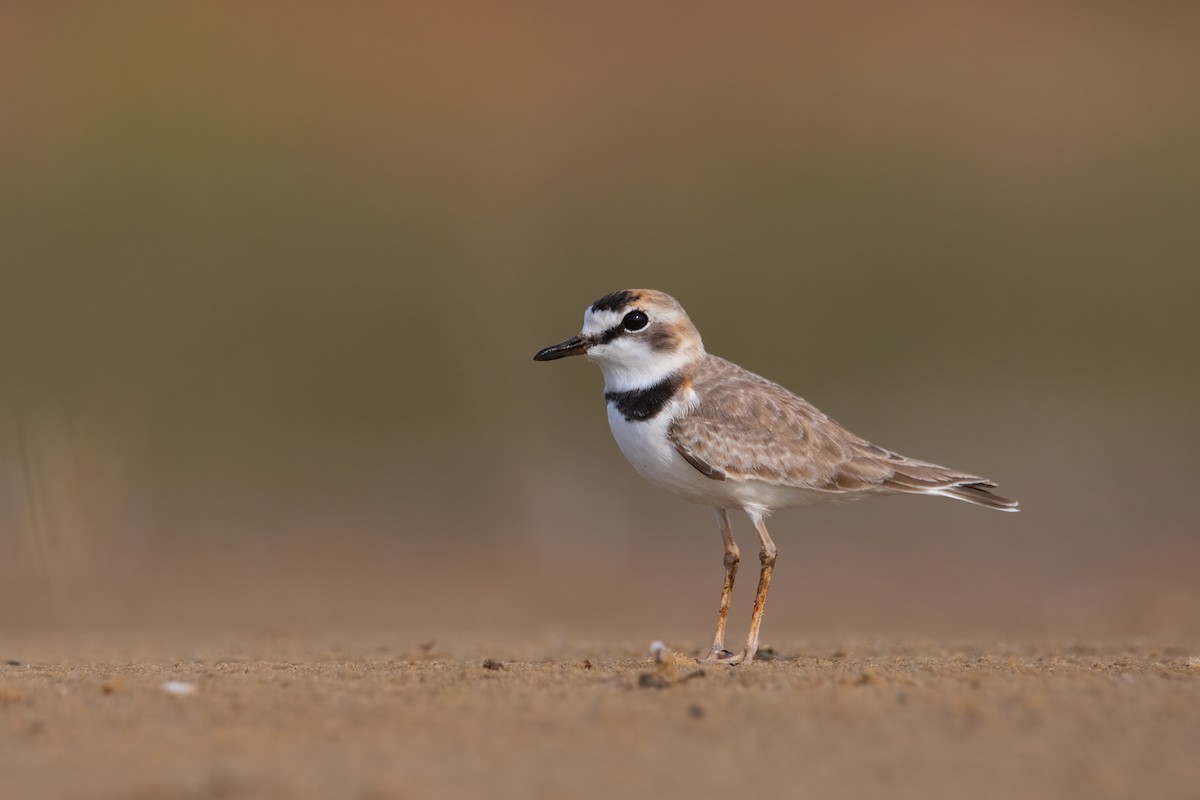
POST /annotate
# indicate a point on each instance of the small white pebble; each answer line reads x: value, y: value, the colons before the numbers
x: 178, y: 687
x: 1194, y: 661
x: 658, y: 650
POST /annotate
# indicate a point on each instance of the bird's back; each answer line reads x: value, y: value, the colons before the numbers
x: 745, y: 428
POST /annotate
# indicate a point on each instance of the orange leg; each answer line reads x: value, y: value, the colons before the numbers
x: 766, y: 557
x: 732, y: 557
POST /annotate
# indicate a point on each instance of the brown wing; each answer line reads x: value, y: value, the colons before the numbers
x: 748, y: 427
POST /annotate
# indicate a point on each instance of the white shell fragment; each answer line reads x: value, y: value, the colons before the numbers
x: 178, y: 687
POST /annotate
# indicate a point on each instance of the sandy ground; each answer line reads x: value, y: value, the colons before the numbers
x: 274, y: 716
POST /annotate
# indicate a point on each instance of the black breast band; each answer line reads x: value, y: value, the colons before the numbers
x: 639, y: 405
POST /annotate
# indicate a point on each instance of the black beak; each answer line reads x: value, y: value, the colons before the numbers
x: 575, y: 346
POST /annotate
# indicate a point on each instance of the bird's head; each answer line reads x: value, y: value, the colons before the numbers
x: 637, y: 337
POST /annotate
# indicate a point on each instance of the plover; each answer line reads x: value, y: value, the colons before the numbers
x: 714, y: 433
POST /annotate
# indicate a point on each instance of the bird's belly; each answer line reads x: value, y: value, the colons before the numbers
x: 647, y: 448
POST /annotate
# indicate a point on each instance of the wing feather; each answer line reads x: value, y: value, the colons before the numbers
x: 747, y: 427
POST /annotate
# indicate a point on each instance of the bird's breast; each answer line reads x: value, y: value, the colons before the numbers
x: 646, y: 445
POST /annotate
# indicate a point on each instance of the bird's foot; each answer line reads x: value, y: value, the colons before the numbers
x: 726, y: 657
x: 715, y: 655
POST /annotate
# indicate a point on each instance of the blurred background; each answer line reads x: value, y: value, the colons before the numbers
x: 271, y: 278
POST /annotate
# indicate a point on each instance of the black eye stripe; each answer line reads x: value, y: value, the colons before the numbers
x: 610, y: 334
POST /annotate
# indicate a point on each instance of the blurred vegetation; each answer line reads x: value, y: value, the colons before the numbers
x: 272, y: 278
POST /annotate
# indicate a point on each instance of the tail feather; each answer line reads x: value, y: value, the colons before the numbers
x: 919, y: 477
x: 979, y: 495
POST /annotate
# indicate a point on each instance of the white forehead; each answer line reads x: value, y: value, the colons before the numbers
x: 595, y: 322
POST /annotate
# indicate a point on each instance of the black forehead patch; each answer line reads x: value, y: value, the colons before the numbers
x: 615, y: 301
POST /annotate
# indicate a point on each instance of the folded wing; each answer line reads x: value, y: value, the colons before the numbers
x: 748, y: 428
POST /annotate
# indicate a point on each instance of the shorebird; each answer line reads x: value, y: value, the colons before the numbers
x: 709, y: 431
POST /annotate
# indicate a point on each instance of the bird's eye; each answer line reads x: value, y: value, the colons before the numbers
x: 635, y: 321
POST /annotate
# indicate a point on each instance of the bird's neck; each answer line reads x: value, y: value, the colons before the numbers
x: 643, y: 374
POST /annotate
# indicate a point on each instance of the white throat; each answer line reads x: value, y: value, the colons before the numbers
x: 638, y: 368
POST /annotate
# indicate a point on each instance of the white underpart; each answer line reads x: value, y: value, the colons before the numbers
x: 646, y: 446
